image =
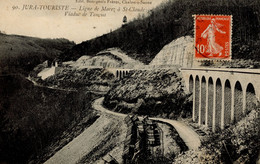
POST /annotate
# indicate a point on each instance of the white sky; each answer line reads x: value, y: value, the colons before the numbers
x: 53, y: 24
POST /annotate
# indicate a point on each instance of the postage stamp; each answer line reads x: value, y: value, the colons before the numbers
x: 213, y: 37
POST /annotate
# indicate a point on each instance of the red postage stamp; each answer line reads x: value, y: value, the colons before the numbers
x: 213, y: 36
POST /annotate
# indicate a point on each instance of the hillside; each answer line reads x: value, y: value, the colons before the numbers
x: 148, y: 92
x: 237, y: 144
x: 180, y: 52
x: 32, y: 118
x: 144, y: 37
x: 22, y: 53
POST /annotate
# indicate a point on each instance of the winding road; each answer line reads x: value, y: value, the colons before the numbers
x: 189, y: 136
x: 83, y: 144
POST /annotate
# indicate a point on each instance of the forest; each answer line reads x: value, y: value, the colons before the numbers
x: 145, y: 36
x: 20, y: 54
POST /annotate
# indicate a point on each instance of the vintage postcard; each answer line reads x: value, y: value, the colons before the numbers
x: 129, y: 81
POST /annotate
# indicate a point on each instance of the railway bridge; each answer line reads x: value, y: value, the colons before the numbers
x: 119, y: 72
x: 221, y: 96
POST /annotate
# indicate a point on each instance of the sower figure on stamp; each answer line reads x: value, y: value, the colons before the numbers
x: 209, y: 33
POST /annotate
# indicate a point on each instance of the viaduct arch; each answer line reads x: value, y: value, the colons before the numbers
x: 221, y: 96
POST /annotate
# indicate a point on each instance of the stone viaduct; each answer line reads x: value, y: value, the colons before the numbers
x: 119, y: 72
x: 221, y: 96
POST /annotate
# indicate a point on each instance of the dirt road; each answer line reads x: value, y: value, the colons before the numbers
x: 93, y: 136
x: 190, y: 137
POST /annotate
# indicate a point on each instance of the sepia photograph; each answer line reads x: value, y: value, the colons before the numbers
x: 130, y: 82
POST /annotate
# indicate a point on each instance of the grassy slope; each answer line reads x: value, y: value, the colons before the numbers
x: 22, y: 53
x: 143, y: 38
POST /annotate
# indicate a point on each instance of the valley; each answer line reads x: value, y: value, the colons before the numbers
x: 136, y: 94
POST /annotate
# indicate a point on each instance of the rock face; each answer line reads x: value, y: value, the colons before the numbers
x: 98, y: 62
x: 149, y: 92
x: 110, y: 58
x: 178, y: 52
